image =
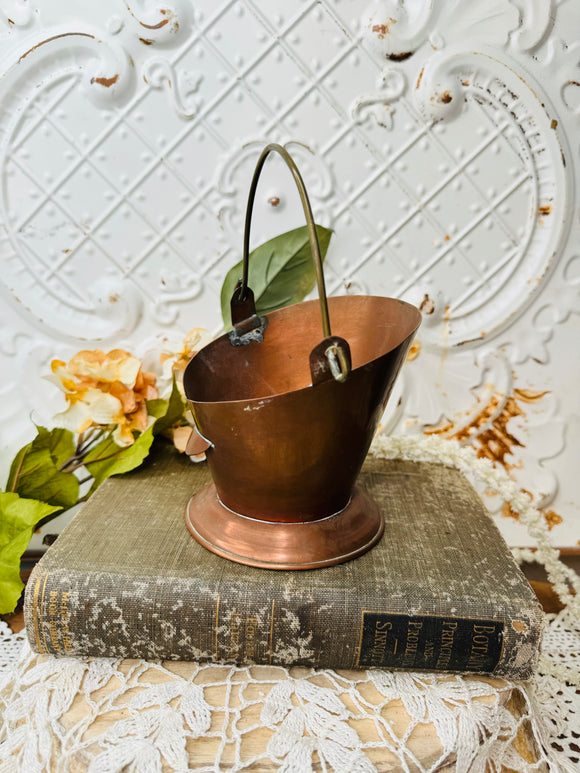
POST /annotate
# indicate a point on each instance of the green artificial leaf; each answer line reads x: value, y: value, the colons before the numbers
x: 170, y: 414
x: 281, y: 271
x: 35, y: 472
x: 157, y: 407
x: 18, y: 519
x: 107, y: 458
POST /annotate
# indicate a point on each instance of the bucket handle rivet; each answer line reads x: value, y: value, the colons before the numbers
x: 329, y: 359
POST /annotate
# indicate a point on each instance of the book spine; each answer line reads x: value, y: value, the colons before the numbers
x: 113, y: 616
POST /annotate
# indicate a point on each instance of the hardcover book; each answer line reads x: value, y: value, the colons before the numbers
x: 440, y: 591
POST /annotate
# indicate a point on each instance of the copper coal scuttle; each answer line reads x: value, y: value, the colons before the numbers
x: 285, y: 408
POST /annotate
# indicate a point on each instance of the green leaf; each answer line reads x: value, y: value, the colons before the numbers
x: 35, y: 473
x: 18, y: 519
x: 174, y: 410
x: 157, y: 408
x: 107, y: 458
x: 281, y: 271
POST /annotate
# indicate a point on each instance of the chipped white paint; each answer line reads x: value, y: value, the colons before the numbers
x: 436, y: 139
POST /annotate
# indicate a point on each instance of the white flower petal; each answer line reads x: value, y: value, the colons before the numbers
x: 123, y: 438
x: 196, y: 339
x: 103, y: 407
x: 120, y: 367
x: 126, y: 371
x: 74, y: 417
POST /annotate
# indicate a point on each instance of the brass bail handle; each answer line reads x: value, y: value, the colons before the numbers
x: 334, y: 350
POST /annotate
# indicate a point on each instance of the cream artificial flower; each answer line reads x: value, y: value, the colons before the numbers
x: 174, y: 359
x: 175, y: 356
x: 105, y: 390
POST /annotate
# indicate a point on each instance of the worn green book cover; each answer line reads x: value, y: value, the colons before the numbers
x: 440, y: 591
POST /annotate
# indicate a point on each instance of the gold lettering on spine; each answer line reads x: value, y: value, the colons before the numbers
x: 413, y: 630
x: 44, y: 647
x: 235, y: 625
x: 379, y: 647
x: 479, y: 646
x: 64, y: 618
x: 53, y: 608
x: 446, y: 650
x: 250, y: 637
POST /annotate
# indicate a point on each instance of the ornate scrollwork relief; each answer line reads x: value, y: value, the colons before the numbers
x: 181, y: 86
x: 391, y: 85
x: 475, y: 340
x: 447, y: 82
x: 233, y: 178
x: 439, y: 150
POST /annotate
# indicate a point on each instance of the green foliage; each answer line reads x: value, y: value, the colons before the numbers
x: 18, y: 519
x: 42, y: 481
x: 281, y: 271
x: 35, y: 472
x: 167, y: 413
x: 107, y: 458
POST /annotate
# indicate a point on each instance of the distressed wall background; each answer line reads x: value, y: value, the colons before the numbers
x: 438, y: 139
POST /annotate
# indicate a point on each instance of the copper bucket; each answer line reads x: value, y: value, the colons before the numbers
x: 285, y: 411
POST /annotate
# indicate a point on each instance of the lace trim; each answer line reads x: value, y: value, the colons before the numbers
x: 105, y: 715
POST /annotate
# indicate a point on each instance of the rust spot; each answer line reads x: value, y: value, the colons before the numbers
x: 471, y: 340
x: 495, y: 442
x: 67, y: 251
x: 427, y: 306
x: 381, y: 30
x: 552, y: 518
x: 414, y: 351
x: 131, y: 61
x: 273, y: 201
x: 146, y: 41
x: 507, y: 512
x: 553, y: 124
x: 419, y: 79
x: 400, y: 57
x: 465, y: 83
x: 530, y: 395
x: 546, y: 209
x: 107, y: 82
x: 56, y: 37
x: 445, y: 97
x: 447, y: 237
x: 113, y: 298
x: 157, y: 26
x: 519, y: 626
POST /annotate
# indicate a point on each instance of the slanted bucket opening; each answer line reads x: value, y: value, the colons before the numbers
x: 372, y: 325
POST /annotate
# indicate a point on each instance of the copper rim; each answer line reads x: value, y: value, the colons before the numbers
x: 299, y: 545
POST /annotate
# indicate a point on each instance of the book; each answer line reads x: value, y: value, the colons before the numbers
x: 440, y: 590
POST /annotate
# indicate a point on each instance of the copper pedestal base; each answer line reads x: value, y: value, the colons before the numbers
x: 277, y: 545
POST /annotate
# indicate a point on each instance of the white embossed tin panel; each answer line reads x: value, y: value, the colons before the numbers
x: 438, y: 139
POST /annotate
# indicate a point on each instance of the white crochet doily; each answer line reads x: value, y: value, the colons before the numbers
x: 104, y: 716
